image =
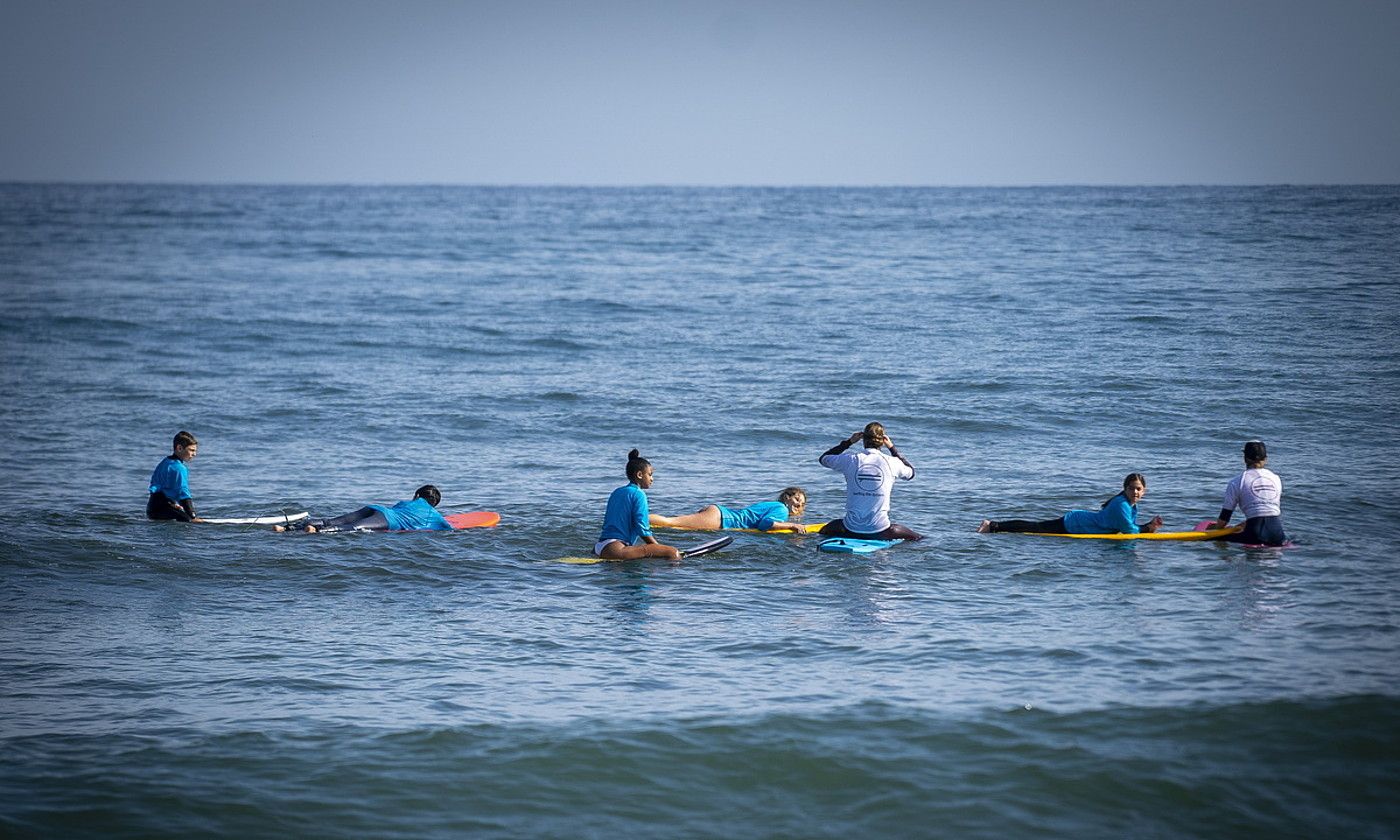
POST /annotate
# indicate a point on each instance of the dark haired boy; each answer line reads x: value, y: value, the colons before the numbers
x: 170, y: 483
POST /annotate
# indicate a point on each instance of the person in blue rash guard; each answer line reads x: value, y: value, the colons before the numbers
x: 1117, y: 516
x: 626, y: 527
x: 760, y: 516
x: 169, y: 497
x: 416, y: 514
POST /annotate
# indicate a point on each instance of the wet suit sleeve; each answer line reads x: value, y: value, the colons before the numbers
x: 905, y: 460
x: 835, y: 450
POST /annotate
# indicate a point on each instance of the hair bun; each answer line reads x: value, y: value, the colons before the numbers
x: 633, y: 455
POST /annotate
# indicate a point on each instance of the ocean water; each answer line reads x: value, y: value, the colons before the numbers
x: 1026, y: 348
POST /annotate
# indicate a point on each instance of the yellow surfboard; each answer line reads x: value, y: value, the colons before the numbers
x: 1160, y: 535
x: 812, y: 528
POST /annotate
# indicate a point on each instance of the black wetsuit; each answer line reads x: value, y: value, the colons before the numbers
x: 160, y: 506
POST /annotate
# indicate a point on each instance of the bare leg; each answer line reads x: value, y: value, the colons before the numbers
x: 615, y: 550
x: 705, y: 519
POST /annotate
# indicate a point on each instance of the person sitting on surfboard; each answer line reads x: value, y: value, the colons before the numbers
x: 1118, y: 515
x: 1257, y: 491
x: 416, y: 514
x: 761, y: 516
x: 170, y: 483
x: 870, y: 476
x: 626, y: 521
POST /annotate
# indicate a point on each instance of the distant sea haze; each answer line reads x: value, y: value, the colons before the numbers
x: 1025, y: 348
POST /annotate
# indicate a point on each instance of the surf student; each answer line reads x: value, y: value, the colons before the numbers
x: 170, y: 483
x: 1258, y: 492
x: 870, y: 476
x: 1118, y: 515
x: 626, y: 524
x: 416, y: 514
x: 761, y: 516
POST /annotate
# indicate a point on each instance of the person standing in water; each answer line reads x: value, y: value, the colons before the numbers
x: 169, y: 497
x: 1258, y: 492
x: 626, y: 524
x: 870, y: 476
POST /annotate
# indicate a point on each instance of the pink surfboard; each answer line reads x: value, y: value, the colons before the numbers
x: 473, y: 519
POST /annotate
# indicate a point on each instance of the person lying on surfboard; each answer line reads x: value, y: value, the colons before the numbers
x: 1118, y: 515
x: 416, y: 514
x: 760, y: 516
x: 170, y: 483
x: 1258, y: 491
x: 870, y: 476
x: 626, y: 524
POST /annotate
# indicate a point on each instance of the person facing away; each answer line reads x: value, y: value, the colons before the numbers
x: 870, y: 476
x: 626, y: 531
x: 170, y: 497
x: 1118, y: 515
x: 1258, y: 492
x: 761, y: 516
x: 417, y: 514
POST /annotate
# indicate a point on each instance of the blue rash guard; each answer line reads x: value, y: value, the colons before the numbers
x: 171, y: 478
x: 626, y: 517
x: 761, y: 516
x: 1115, y: 517
x: 413, y: 515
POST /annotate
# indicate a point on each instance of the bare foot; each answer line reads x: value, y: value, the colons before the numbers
x: 279, y: 528
x: 310, y: 529
x: 985, y: 527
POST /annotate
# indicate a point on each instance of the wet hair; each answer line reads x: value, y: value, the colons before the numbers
x: 429, y: 492
x: 635, y: 464
x: 873, y: 434
x: 1129, y: 479
x: 1255, y: 453
x: 790, y: 493
x: 183, y: 438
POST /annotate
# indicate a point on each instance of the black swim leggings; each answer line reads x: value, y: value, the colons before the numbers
x: 1260, y: 530
x: 837, y: 528
x: 159, y: 506
x: 364, y: 519
x: 1024, y: 526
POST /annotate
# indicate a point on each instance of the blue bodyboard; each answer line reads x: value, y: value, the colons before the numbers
x: 847, y: 545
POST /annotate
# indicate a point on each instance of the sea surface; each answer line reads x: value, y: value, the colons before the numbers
x: 1025, y: 348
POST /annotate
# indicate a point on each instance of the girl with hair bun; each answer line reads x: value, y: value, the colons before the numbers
x: 626, y: 524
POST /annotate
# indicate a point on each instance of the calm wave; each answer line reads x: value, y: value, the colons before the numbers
x: 1026, y: 348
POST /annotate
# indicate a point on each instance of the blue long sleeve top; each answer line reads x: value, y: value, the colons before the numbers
x: 1116, y: 517
x: 172, y: 478
x: 626, y: 517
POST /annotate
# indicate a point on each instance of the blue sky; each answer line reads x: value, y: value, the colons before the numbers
x: 709, y: 93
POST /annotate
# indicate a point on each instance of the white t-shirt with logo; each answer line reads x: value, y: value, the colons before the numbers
x: 870, y: 476
x: 1256, y: 492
